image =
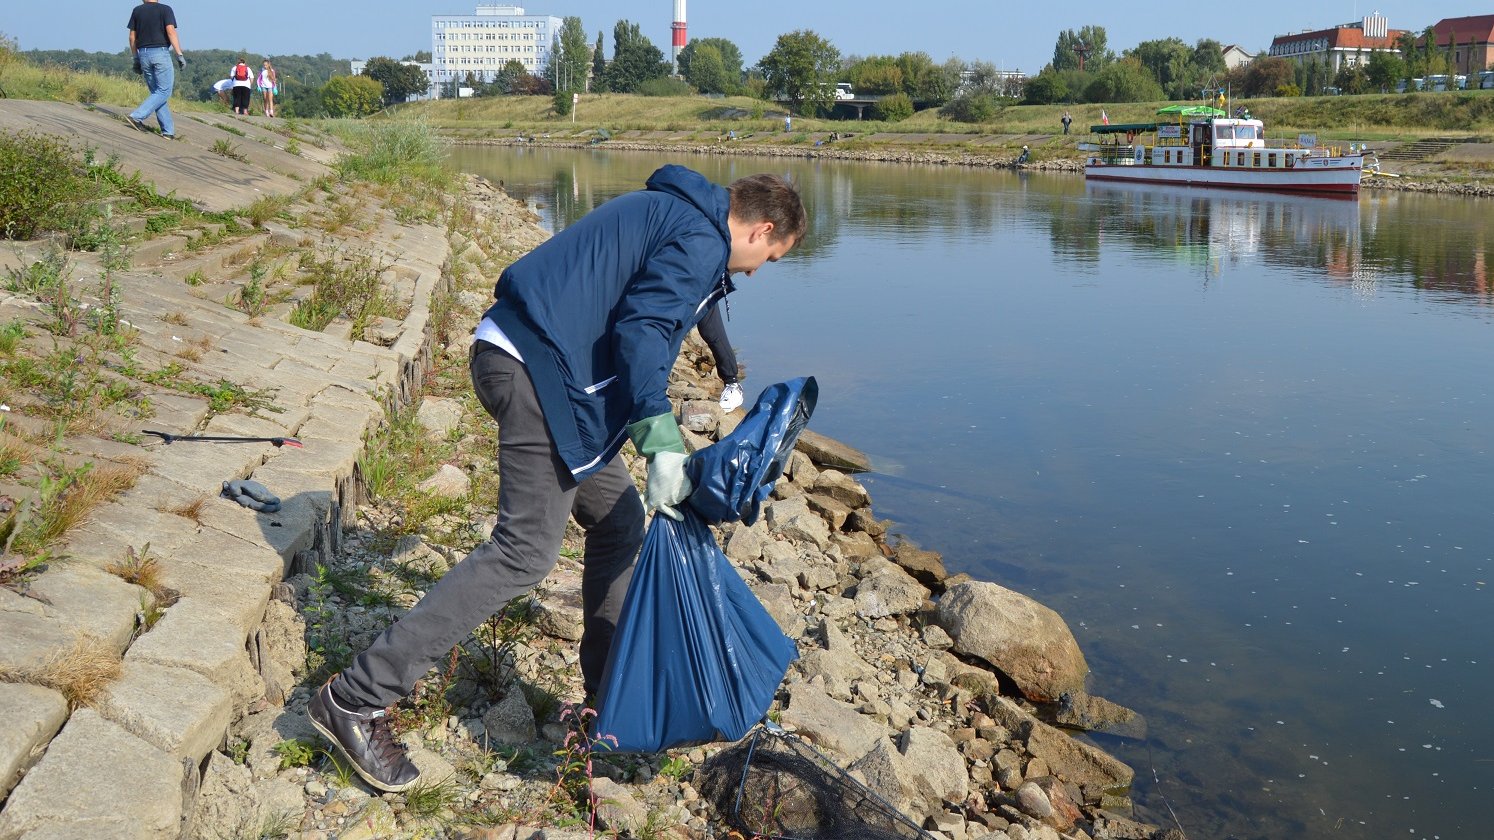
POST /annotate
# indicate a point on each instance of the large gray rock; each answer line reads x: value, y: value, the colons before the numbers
x: 831, y: 724
x: 439, y: 416
x: 829, y: 452
x: 938, y: 767
x: 617, y: 808
x: 449, y: 482
x: 98, y: 775
x: 793, y: 520
x: 842, y: 488
x: 887, y: 772
x: 33, y: 715
x: 885, y: 590
x: 1024, y: 639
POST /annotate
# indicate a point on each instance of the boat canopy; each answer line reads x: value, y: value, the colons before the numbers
x: 1123, y: 128
x: 1190, y: 111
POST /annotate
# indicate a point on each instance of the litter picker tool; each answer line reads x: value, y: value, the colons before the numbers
x: 169, y: 438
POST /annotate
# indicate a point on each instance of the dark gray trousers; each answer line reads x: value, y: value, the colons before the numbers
x: 535, y: 497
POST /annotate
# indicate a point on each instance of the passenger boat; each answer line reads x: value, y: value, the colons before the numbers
x: 1200, y: 145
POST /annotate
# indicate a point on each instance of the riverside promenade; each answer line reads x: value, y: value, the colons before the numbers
x: 126, y: 764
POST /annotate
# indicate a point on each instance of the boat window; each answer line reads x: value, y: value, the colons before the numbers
x: 1256, y: 160
x: 1271, y: 159
x: 1224, y: 132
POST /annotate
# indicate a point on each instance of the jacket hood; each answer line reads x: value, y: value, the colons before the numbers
x: 689, y: 185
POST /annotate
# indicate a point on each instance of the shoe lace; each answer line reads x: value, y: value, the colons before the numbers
x: 387, y: 750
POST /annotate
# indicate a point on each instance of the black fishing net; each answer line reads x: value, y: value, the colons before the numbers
x: 774, y: 786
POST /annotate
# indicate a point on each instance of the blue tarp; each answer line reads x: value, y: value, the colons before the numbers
x: 695, y: 657
x: 734, y: 476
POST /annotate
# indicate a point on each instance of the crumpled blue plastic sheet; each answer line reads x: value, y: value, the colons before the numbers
x: 734, y: 476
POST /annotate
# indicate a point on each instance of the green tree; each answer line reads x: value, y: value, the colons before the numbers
x: 1093, y: 38
x: 1124, y: 81
x: 1046, y: 88
x: 635, y: 59
x: 1167, y: 60
x: 1351, y: 79
x: 1264, y: 75
x: 877, y: 74
x: 570, y: 58
x: 922, y: 79
x: 801, y: 69
x: 401, y: 81
x: 708, y: 71
x: 421, y: 56
x: 352, y: 96
x: 1384, y: 70
x: 598, y: 66
x: 731, y: 61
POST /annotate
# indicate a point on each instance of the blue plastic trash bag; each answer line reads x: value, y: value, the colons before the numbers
x: 695, y: 657
x: 734, y: 476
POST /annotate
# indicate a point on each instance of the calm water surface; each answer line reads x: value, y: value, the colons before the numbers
x: 1239, y: 442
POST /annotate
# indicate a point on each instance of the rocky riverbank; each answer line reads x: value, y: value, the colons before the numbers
x: 955, y: 700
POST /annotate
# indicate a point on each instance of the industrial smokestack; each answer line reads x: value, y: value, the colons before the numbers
x: 679, y: 32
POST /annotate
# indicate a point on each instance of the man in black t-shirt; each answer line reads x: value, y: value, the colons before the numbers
x: 152, y: 40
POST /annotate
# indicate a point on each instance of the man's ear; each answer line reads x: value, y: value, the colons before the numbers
x: 761, y: 230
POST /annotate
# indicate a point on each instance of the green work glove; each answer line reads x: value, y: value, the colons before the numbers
x: 658, y: 439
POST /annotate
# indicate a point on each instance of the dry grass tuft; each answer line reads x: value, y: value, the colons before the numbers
x: 190, y: 510
x: 179, y: 318
x: 80, y: 671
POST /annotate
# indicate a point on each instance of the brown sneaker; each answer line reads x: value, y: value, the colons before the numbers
x: 365, y: 739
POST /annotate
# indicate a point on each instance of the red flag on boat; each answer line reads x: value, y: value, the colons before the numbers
x: 1104, y: 117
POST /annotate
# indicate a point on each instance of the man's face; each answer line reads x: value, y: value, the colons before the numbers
x: 752, y: 245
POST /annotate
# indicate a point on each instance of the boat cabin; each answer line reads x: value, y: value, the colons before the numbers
x: 1215, y: 141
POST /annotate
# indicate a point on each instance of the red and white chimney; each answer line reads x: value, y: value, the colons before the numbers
x: 679, y: 33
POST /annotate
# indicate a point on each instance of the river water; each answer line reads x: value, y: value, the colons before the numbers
x: 1240, y: 442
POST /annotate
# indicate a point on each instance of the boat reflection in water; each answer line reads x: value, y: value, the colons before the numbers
x: 1221, y: 229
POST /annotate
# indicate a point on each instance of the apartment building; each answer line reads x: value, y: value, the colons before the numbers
x: 481, y: 43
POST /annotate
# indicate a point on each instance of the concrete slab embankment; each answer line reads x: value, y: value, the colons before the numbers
x: 129, y: 765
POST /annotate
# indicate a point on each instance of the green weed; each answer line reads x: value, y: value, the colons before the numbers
x: 227, y: 149
x: 428, y: 799
x: 294, y: 753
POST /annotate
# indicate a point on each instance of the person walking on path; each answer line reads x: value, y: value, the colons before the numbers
x: 243, y: 83
x: 1066, y: 120
x: 152, y: 40
x: 713, y: 329
x: 572, y: 360
x: 268, y: 83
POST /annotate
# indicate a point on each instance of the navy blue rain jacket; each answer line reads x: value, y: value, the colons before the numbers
x: 599, y: 311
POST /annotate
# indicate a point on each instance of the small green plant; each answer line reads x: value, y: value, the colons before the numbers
x: 64, y: 497
x: 426, y: 800
x: 294, y: 753
x: 238, y: 750
x: 227, y: 149
x: 252, y: 297
x: 328, y: 648
x: 195, y: 278
x: 10, y: 337
x: 343, y: 775
x: 266, y: 208
x: 292, y: 146
x: 675, y: 767
x: 41, y: 278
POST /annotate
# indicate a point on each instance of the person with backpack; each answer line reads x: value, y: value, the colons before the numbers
x: 152, y: 39
x: 269, y: 85
x: 572, y: 360
x: 243, y: 84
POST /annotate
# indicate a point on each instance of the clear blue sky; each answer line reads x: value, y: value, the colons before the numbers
x: 1010, y: 35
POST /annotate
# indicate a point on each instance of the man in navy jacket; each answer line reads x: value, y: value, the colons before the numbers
x: 572, y: 360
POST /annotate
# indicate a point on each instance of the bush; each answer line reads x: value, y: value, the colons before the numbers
x: 43, y: 186
x: 665, y: 86
x: 563, y: 102
x: 972, y: 108
x: 393, y: 152
x: 352, y: 96
x: 894, y: 108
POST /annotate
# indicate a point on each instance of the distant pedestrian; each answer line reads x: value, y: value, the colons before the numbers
x: 152, y: 39
x: 243, y: 84
x: 268, y: 86
x: 1066, y: 121
x: 788, y: 123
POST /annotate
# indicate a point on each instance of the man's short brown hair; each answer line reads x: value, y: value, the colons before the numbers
x: 769, y: 198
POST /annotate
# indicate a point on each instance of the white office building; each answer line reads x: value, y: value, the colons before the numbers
x: 483, y: 42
